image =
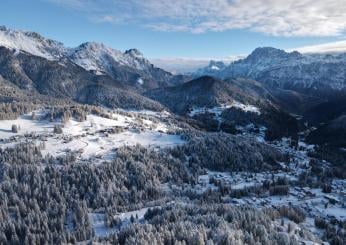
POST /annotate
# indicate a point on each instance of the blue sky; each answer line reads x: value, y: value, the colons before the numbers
x: 182, y: 28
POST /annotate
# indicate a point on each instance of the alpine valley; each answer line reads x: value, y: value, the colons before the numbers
x: 99, y: 146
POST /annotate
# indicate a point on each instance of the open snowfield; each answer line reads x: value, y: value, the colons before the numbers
x: 92, y: 138
x: 26, y: 124
x: 101, y: 147
x: 72, y: 127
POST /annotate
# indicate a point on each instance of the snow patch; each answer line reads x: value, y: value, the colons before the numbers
x: 215, y: 68
x: 217, y: 110
x: 140, y: 81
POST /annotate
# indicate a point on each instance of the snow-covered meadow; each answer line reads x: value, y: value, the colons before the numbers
x: 96, y: 137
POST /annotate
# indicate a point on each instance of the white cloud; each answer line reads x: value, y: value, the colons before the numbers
x: 273, y: 17
x: 333, y: 47
x: 178, y: 65
x: 69, y: 3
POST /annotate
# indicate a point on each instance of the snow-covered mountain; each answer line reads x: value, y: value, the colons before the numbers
x: 89, y: 55
x: 129, y: 67
x: 98, y: 57
x: 213, y: 68
x: 293, y: 70
x: 32, y: 43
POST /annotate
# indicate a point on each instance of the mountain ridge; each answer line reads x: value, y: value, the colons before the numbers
x: 130, y: 67
x: 66, y: 80
x: 308, y: 73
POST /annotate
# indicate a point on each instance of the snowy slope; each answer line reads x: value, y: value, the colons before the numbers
x: 94, y: 56
x: 98, y: 57
x: 89, y: 55
x: 89, y: 137
x: 32, y: 43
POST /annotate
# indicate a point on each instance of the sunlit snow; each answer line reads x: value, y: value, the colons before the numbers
x: 90, y: 138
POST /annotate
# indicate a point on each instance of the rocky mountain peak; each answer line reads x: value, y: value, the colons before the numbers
x: 271, y: 53
x: 134, y: 53
x: 216, y: 65
x: 31, y: 42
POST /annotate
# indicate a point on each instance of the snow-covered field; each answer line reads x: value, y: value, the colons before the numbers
x: 26, y: 125
x: 95, y: 137
x: 217, y: 110
x: 101, y: 146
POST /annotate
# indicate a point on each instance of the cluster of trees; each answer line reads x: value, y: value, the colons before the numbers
x: 225, y: 152
x: 279, y: 186
x: 10, y: 111
x: 239, y: 117
x: 206, y: 224
x: 78, y: 112
x: 18, y: 102
x: 293, y: 213
x: 334, y: 230
x: 15, y: 101
x: 112, y: 97
x: 46, y: 199
x: 278, y: 123
x: 38, y: 195
x: 334, y: 155
x: 15, y: 128
x: 57, y: 129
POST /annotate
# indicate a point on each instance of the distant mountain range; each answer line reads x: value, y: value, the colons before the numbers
x: 269, y: 87
x: 308, y: 73
x: 183, y: 65
x: 129, y: 67
x: 66, y: 80
x: 312, y: 85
